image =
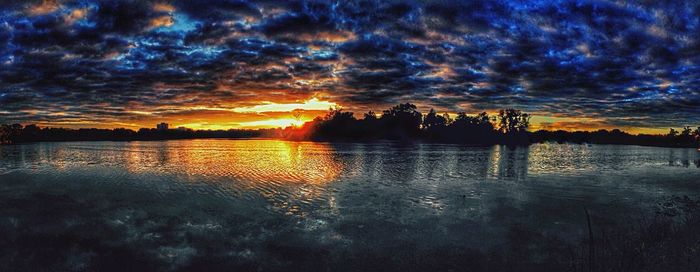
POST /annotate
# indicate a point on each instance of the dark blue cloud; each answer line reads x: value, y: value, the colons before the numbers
x: 634, y: 60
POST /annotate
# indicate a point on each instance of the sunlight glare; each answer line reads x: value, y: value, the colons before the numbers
x: 311, y: 104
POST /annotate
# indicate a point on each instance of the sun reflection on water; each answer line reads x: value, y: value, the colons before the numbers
x: 288, y: 175
x: 508, y: 163
x: 247, y: 160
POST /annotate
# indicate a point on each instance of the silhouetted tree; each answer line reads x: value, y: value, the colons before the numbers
x: 4, y: 134
x: 687, y: 131
x: 686, y: 137
x: 369, y: 126
x: 401, y: 122
x: 338, y: 125
x: 672, y: 133
x: 31, y: 133
x: 476, y: 129
x: 370, y: 115
x: 435, y: 126
x: 513, y: 124
x: 434, y: 121
x: 513, y: 121
x: 11, y: 133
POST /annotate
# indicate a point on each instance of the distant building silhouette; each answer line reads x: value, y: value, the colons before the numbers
x: 162, y: 126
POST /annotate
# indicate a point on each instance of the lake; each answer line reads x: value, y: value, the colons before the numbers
x: 276, y: 205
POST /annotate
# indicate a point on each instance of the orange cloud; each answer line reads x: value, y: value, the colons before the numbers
x: 334, y: 37
x: 573, y: 125
x: 75, y: 15
x: 163, y: 7
x: 162, y: 21
x: 260, y: 115
x: 46, y: 7
x: 589, y: 124
x: 217, y: 119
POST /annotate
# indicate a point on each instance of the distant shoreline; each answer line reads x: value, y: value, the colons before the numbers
x: 401, y: 123
x: 353, y: 142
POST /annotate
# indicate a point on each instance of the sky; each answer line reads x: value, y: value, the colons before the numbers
x: 219, y: 64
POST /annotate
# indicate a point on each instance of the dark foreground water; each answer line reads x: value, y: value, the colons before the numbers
x: 242, y: 205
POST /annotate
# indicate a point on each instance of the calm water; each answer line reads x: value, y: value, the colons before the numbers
x: 276, y: 205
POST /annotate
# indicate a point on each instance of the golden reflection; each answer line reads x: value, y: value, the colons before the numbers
x: 267, y: 161
x: 494, y: 158
x: 508, y: 162
x: 557, y: 158
x: 290, y: 176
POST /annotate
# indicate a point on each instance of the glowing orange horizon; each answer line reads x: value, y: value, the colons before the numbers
x: 251, y: 115
x: 268, y: 114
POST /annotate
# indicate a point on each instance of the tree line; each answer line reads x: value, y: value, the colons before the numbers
x: 17, y: 133
x: 402, y: 122
x: 688, y: 137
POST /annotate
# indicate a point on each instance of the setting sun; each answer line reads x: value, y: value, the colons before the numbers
x: 313, y: 104
x: 273, y: 123
x: 263, y: 115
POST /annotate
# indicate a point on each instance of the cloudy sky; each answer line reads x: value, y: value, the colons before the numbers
x: 228, y: 63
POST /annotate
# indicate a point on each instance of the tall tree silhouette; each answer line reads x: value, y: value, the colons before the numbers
x: 435, y: 126
x: 476, y: 129
x: 4, y: 134
x: 337, y: 124
x: 513, y: 124
x: 402, y: 122
x: 11, y: 133
x: 513, y: 121
x: 434, y: 121
x: 369, y: 126
x: 672, y: 133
